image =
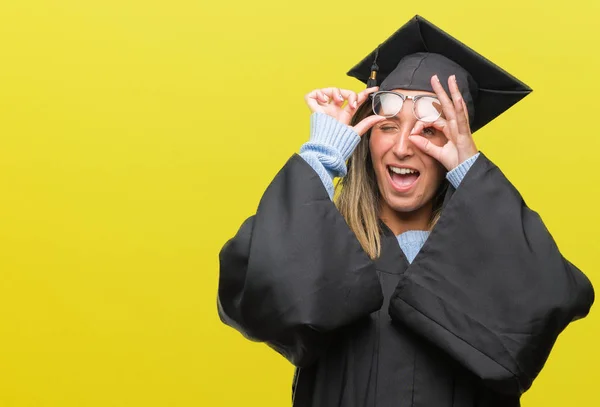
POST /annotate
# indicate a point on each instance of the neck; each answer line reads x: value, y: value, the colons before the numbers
x: 400, y: 222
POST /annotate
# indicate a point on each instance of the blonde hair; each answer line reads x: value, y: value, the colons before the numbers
x: 359, y: 198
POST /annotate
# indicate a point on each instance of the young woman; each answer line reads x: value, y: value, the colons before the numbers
x: 429, y: 282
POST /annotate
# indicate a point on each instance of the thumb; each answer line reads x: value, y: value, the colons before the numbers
x: 427, y: 146
x: 365, y: 124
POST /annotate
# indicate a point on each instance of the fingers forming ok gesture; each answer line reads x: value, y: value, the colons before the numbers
x: 454, y: 124
x: 332, y: 101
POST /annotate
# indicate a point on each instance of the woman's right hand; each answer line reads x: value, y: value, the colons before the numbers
x: 331, y: 102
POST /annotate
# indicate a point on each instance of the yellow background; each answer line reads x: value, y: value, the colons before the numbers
x: 135, y: 137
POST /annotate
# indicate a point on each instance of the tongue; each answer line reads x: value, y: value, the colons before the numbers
x: 405, y: 179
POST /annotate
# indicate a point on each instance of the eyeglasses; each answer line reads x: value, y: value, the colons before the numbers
x: 388, y: 104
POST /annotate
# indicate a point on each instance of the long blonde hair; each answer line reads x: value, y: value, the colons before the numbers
x: 359, y: 198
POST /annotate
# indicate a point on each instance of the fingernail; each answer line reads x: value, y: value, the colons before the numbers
x: 435, y: 77
x: 454, y: 78
x: 326, y: 98
x: 340, y: 97
x: 354, y: 104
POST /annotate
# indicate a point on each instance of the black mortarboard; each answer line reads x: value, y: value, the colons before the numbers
x: 419, y: 49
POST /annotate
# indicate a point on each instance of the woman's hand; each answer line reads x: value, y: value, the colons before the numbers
x: 455, y: 126
x: 331, y: 102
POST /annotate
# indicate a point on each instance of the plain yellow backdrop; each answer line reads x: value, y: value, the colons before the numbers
x: 136, y: 136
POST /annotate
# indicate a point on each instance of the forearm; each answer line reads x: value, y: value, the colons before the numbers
x: 331, y: 143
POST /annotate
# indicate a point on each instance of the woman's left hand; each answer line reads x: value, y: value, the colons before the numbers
x: 455, y: 126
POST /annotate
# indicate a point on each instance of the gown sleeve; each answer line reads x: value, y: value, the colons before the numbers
x: 490, y: 286
x: 295, y: 272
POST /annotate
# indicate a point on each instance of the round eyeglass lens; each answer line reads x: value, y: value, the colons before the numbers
x: 387, y: 104
x: 428, y: 109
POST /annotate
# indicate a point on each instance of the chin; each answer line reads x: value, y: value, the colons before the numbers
x: 403, y: 204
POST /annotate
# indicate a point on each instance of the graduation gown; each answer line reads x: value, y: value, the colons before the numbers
x: 469, y: 323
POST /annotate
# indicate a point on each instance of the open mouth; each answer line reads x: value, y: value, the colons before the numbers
x: 403, y: 178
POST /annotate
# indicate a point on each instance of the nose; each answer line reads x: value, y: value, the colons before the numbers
x: 403, y: 147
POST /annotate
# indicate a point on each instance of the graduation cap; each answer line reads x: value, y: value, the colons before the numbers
x: 418, y: 50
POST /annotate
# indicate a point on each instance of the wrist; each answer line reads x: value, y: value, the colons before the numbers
x: 331, y: 143
x: 328, y: 132
x: 464, y: 156
x: 456, y: 175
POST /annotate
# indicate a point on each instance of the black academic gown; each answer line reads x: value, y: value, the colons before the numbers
x: 469, y: 323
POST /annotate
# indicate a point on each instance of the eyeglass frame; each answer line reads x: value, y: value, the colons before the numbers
x: 404, y: 97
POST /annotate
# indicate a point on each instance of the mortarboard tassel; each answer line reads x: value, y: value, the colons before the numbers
x: 374, y: 68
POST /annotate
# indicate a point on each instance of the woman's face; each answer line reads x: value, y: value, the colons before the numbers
x: 407, y: 177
